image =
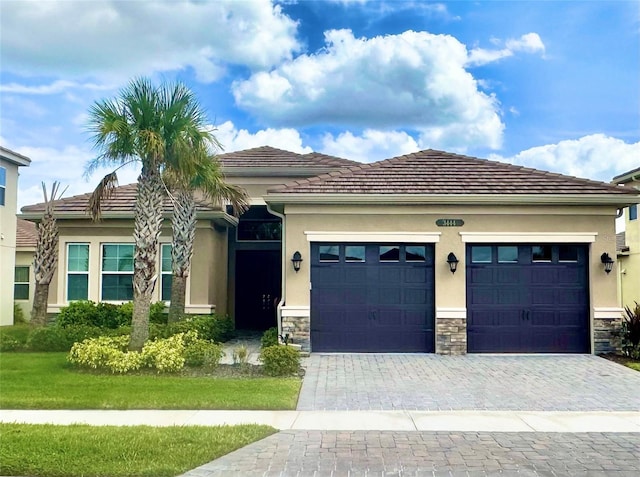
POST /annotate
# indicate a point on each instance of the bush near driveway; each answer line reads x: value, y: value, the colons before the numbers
x: 80, y: 450
x: 280, y: 360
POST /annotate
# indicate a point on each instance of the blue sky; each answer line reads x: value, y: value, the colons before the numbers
x: 550, y: 85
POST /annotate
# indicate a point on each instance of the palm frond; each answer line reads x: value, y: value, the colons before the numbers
x: 103, y: 191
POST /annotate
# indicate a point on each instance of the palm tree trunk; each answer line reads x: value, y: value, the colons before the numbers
x: 183, y: 224
x: 148, y: 222
x: 40, y: 302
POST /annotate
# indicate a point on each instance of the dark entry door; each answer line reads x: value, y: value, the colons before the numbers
x: 258, y: 283
x: 527, y: 298
x: 372, y: 297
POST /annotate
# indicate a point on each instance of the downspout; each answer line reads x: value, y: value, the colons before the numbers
x: 283, y: 273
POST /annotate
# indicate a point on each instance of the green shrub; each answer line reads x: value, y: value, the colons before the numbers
x: 280, y: 360
x: 202, y: 353
x: 156, y: 313
x: 630, y: 331
x: 49, y: 338
x: 269, y: 338
x: 14, y: 338
x: 18, y: 315
x: 77, y: 313
x: 209, y: 327
x: 165, y: 355
x: 105, y: 352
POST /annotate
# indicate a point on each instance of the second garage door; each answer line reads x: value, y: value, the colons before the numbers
x: 528, y: 298
x: 372, y: 297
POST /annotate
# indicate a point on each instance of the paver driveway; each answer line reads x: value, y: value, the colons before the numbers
x: 470, y: 382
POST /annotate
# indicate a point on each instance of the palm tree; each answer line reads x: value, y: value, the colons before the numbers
x: 157, y: 127
x: 209, y: 180
x: 46, y: 257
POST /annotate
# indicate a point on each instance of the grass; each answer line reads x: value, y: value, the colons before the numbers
x: 633, y: 365
x: 80, y: 450
x: 48, y: 381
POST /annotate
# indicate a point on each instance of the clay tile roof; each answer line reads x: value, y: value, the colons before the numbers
x: 26, y: 235
x: 267, y: 156
x: 122, y: 202
x: 621, y: 245
x: 432, y: 172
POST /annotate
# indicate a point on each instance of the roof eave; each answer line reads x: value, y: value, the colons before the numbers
x: 14, y: 157
x: 219, y: 217
x: 452, y: 199
x: 258, y: 171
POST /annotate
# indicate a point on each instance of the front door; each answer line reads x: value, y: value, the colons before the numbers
x: 258, y: 286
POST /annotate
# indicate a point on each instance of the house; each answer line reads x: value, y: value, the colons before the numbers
x: 427, y: 252
x: 628, y: 244
x: 10, y: 161
x: 24, y: 279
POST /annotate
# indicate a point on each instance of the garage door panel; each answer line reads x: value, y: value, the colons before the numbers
x: 528, y: 306
x: 374, y: 306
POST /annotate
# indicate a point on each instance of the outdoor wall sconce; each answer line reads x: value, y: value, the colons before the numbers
x: 296, y: 260
x: 607, y: 261
x: 452, y: 260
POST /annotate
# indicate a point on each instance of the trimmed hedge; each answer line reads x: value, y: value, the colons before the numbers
x: 280, y: 360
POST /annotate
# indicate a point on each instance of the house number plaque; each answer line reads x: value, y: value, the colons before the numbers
x: 449, y: 222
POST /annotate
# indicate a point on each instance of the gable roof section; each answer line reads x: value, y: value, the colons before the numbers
x: 269, y: 161
x: 120, y: 205
x: 627, y: 177
x: 437, y: 174
x: 26, y: 234
x: 14, y: 157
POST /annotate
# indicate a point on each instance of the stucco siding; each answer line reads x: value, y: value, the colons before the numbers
x: 8, y: 242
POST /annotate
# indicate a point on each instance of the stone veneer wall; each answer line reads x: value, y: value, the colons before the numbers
x: 605, y: 340
x: 297, y: 327
x: 451, y: 335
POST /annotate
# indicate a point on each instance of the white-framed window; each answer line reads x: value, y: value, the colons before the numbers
x: 633, y: 212
x: 3, y: 184
x: 21, y: 283
x: 116, y: 272
x: 166, y: 272
x: 77, y: 271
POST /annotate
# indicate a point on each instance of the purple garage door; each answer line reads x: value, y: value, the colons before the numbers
x: 527, y: 298
x: 372, y: 297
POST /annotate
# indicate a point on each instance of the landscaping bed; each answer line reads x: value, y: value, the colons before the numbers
x: 623, y: 360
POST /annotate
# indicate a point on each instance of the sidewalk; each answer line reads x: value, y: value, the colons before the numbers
x: 470, y: 421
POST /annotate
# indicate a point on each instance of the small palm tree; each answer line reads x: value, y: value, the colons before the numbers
x: 208, y: 179
x: 157, y: 127
x: 46, y: 257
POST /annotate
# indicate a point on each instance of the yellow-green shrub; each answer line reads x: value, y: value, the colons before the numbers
x: 280, y: 360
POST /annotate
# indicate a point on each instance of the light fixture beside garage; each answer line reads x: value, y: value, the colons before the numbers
x: 607, y: 261
x: 452, y: 260
x: 296, y: 260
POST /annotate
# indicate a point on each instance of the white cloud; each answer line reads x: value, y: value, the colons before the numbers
x: 117, y: 39
x: 371, y: 146
x: 527, y: 43
x: 413, y: 80
x: 58, y: 86
x: 595, y: 156
x: 233, y: 139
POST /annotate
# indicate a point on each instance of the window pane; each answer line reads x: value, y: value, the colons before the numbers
x: 259, y: 230
x: 633, y: 212
x: 21, y: 275
x: 329, y: 253
x: 117, y: 287
x: 3, y: 176
x: 568, y: 253
x: 166, y: 287
x: 166, y: 258
x: 117, y: 258
x: 77, y: 287
x: 541, y: 253
x: 354, y: 253
x: 1, y: 195
x: 508, y: 254
x: 481, y: 254
x: 78, y: 259
x: 416, y: 253
x: 390, y: 253
x: 21, y: 291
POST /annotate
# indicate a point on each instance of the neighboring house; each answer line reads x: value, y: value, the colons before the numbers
x: 10, y: 161
x: 24, y: 279
x: 628, y: 244
x: 360, y: 257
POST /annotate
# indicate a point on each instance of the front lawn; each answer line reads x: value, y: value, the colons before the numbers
x: 48, y: 381
x: 80, y: 450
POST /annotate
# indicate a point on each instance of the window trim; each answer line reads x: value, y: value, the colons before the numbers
x: 75, y: 272
x: 163, y: 273
x: 102, y: 272
x: 28, y: 282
